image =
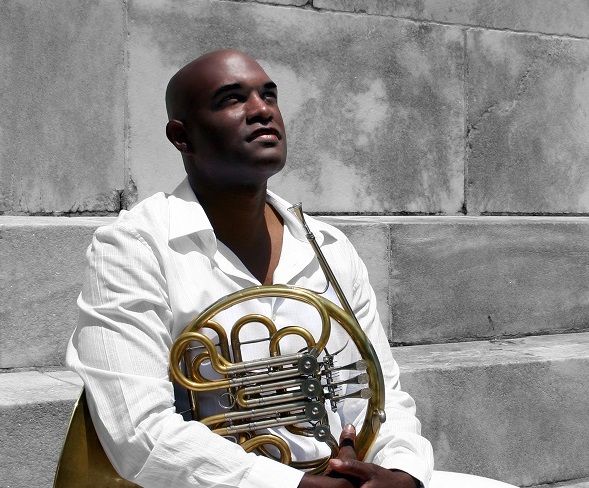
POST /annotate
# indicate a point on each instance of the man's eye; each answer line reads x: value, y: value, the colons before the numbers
x: 270, y: 96
x: 229, y: 99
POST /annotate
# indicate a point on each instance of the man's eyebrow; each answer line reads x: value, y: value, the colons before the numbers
x: 270, y: 85
x: 226, y: 88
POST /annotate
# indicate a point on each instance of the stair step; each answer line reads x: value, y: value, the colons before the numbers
x: 35, y: 409
x: 513, y: 410
x: 583, y: 483
x: 437, y: 279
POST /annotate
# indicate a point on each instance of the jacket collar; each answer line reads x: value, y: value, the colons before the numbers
x: 187, y: 217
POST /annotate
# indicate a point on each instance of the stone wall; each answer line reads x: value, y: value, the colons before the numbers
x: 392, y: 107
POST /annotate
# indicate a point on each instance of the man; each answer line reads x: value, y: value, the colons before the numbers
x: 171, y: 256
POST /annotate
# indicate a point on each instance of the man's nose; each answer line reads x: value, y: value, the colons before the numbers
x: 258, y: 109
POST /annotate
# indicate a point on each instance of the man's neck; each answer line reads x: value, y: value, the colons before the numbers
x: 246, y: 224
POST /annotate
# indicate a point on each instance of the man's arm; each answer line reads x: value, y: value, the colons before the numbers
x: 399, y: 445
x: 120, y: 349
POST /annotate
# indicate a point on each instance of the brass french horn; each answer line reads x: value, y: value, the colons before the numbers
x: 281, y: 390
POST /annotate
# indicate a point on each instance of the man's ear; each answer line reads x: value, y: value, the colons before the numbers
x: 177, y: 135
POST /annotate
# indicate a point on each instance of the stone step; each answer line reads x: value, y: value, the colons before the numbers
x: 580, y: 483
x: 35, y: 409
x: 513, y: 410
x: 437, y: 279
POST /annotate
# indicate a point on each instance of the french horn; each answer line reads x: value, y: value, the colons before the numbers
x: 290, y: 391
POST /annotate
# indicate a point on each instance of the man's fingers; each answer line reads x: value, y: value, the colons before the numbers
x: 352, y: 467
x: 348, y: 436
x: 347, y: 443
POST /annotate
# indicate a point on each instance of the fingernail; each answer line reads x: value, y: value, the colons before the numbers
x: 349, y: 428
x: 335, y: 462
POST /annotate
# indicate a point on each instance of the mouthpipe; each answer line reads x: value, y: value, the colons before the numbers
x: 297, y: 211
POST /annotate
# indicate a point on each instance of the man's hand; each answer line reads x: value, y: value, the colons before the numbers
x: 365, y: 475
x: 372, y: 476
x: 314, y: 481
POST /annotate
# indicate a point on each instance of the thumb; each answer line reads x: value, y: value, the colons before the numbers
x: 347, y: 443
x: 352, y: 467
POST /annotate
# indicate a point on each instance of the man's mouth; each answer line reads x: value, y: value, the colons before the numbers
x: 265, y: 133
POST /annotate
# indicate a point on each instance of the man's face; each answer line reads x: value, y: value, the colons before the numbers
x: 234, y: 125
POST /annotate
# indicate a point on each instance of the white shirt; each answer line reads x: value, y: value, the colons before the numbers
x: 151, y: 272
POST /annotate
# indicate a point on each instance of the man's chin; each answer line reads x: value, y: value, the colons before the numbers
x: 270, y: 158
x: 269, y: 167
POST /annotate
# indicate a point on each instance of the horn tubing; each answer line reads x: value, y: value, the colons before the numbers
x: 253, y: 413
x: 262, y: 424
x: 239, y: 324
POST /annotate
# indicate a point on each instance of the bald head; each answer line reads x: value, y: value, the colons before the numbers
x: 185, y: 86
x: 225, y: 121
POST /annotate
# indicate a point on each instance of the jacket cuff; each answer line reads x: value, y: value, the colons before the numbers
x: 410, y: 464
x: 268, y: 473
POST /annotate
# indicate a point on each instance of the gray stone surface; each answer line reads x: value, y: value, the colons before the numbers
x: 565, y: 17
x: 40, y: 278
x: 61, y: 106
x: 579, y: 483
x: 296, y: 3
x: 454, y: 278
x: 584, y: 483
x: 373, y: 105
x: 35, y: 409
x: 24, y: 388
x: 528, y: 117
x: 514, y: 410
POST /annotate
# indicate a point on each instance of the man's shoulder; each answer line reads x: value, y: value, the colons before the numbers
x: 148, y: 218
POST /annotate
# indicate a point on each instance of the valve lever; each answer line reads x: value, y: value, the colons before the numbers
x: 357, y: 366
x: 361, y: 379
x: 364, y: 393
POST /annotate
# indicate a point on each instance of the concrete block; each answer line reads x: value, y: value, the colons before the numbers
x: 371, y: 240
x: 61, y: 106
x: 41, y: 276
x: 455, y: 278
x: 373, y: 105
x: 296, y: 3
x: 528, y: 116
x: 513, y: 410
x: 35, y: 410
x: 565, y: 17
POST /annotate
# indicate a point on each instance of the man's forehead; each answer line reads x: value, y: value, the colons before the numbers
x: 213, y: 72
x: 197, y: 82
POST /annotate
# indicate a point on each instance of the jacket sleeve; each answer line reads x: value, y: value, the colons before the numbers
x: 399, y: 444
x: 120, y: 349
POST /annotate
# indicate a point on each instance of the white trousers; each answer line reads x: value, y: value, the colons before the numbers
x: 446, y: 479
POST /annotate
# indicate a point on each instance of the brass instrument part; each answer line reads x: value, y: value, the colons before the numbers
x: 239, y: 324
x: 83, y: 462
x: 262, y: 440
